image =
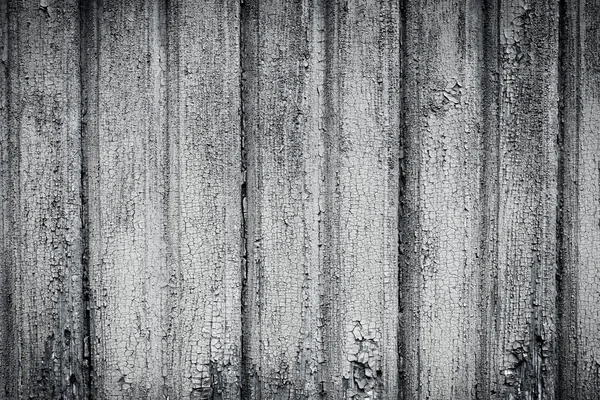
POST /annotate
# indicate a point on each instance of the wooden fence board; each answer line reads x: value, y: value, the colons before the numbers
x: 579, y: 255
x: 126, y: 163
x: 204, y: 201
x: 522, y: 357
x: 283, y: 125
x: 44, y: 201
x: 441, y: 227
x: 360, y: 232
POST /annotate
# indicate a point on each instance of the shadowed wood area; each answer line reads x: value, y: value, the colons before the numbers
x: 308, y: 199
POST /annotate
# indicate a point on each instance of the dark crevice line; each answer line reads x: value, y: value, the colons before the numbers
x: 84, y: 203
x: 4, y: 203
x: 489, y: 194
x: 569, y: 97
x: 401, y: 188
x: 88, y: 89
x: 243, y: 199
x: 402, y: 215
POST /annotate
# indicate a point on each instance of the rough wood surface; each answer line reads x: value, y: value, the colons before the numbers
x: 5, y: 264
x: 205, y: 206
x: 126, y: 166
x: 43, y: 199
x: 283, y: 96
x: 320, y: 121
x: 522, y: 325
x: 579, y: 255
x: 441, y: 205
x: 360, y: 221
x: 307, y: 199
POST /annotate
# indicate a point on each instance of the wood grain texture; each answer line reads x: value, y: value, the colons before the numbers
x: 441, y: 207
x: 205, y: 205
x: 319, y: 117
x: 309, y: 199
x: 126, y: 167
x: 44, y: 239
x: 360, y: 228
x: 5, y: 264
x: 522, y: 359
x: 580, y: 198
x: 283, y: 124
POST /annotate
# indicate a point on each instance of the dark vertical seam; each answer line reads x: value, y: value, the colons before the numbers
x: 489, y: 188
x: 401, y: 189
x: 243, y: 201
x: 566, y: 385
x: 84, y: 195
x: 9, y: 367
x: 578, y: 116
x: 497, y: 93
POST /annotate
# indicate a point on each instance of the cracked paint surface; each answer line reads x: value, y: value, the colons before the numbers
x: 350, y: 199
x: 440, y: 231
x: 41, y: 182
x: 579, y: 368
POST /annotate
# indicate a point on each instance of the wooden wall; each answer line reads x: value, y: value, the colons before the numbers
x: 304, y: 199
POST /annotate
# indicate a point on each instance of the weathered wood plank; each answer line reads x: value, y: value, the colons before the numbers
x: 205, y: 205
x: 441, y: 200
x: 360, y: 207
x: 44, y: 234
x: 126, y: 167
x: 522, y: 363
x: 580, y: 203
x: 5, y: 264
x: 283, y: 75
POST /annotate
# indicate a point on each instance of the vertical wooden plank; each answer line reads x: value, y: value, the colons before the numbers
x: 580, y: 194
x: 283, y: 70
x: 45, y: 225
x: 205, y: 205
x: 360, y: 232
x: 440, y: 231
x: 522, y: 360
x: 126, y: 165
x: 4, y: 204
x: 489, y: 197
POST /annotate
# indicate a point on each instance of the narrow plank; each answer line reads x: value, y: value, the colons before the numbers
x: 522, y: 360
x: 45, y: 201
x: 360, y: 229
x: 489, y: 196
x: 283, y: 71
x: 580, y: 194
x: 126, y: 166
x: 205, y: 205
x: 441, y: 235
x: 4, y: 204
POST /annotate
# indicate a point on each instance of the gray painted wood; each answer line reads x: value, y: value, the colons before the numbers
x: 204, y: 220
x: 5, y: 264
x: 580, y: 196
x: 42, y: 185
x: 126, y: 168
x: 522, y: 323
x: 360, y: 228
x: 283, y: 123
x: 304, y: 199
x: 441, y: 227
